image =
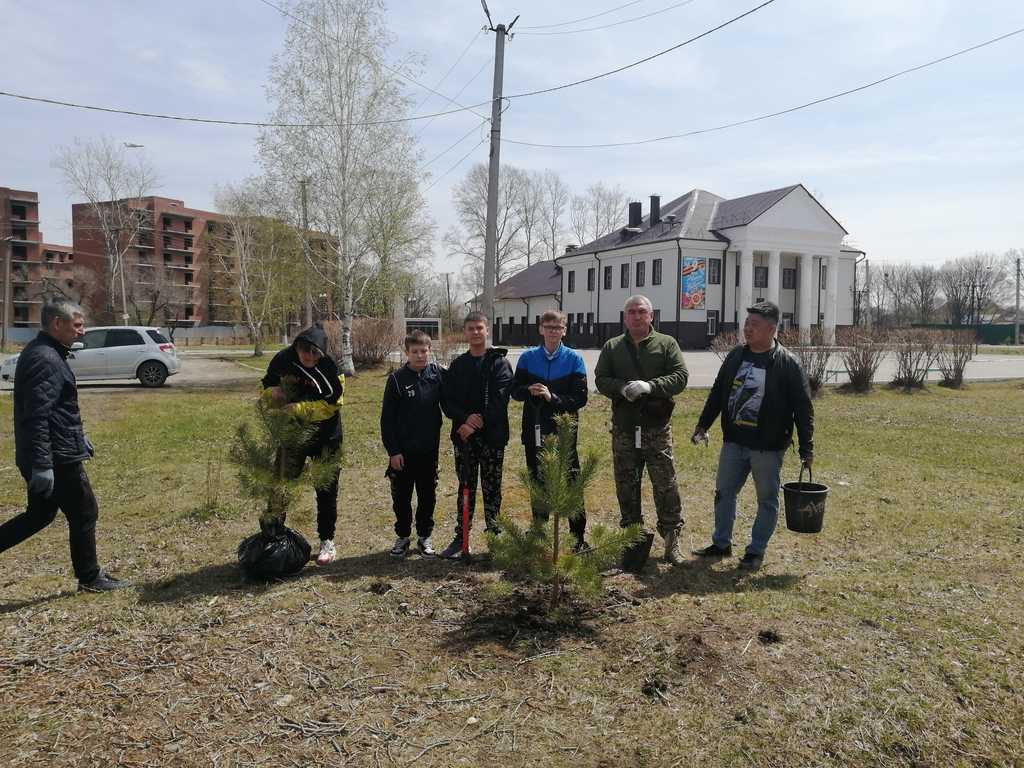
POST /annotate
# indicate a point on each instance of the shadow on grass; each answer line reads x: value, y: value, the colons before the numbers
x: 225, y: 578
x: 696, y: 579
x: 32, y: 602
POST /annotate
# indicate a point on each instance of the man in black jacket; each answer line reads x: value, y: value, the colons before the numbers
x: 761, y: 391
x: 304, y: 380
x: 550, y: 380
x: 51, y: 446
x: 475, y: 397
x: 410, y: 428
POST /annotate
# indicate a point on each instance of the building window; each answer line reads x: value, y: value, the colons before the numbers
x: 657, y: 319
x: 188, y: 243
x: 536, y: 319
x: 188, y: 312
x: 167, y: 223
x: 188, y: 225
x: 167, y: 242
x: 591, y: 272
x: 523, y: 321
x: 188, y: 278
x: 760, y: 277
x: 641, y: 277
x: 656, y: 272
x: 622, y: 319
x: 590, y: 318
x: 511, y: 321
x: 712, y: 322
x: 789, y: 278
x: 211, y: 227
x: 167, y: 258
x: 188, y: 258
x: 572, y: 281
x: 607, y: 278
x: 737, y: 275
x: 497, y: 321
x: 714, y: 271
x: 823, y: 278
x: 787, y: 321
x: 18, y: 212
x: 624, y: 276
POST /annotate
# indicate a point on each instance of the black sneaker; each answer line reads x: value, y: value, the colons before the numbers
x: 401, y: 547
x: 454, y: 550
x: 751, y: 562
x: 580, y: 546
x: 103, y: 582
x: 713, y: 550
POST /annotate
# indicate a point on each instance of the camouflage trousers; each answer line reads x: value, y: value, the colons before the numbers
x: 472, y: 459
x: 629, y: 461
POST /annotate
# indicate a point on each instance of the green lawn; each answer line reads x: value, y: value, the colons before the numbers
x: 893, y: 638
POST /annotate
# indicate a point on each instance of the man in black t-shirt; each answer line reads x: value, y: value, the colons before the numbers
x: 760, y: 391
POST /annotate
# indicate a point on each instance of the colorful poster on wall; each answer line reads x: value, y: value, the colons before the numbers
x: 693, y: 284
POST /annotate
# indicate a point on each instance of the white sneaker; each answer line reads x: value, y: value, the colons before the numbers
x: 426, y: 547
x: 327, y: 552
x: 401, y: 547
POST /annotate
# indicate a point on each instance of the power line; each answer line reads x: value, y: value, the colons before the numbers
x: 246, y: 123
x: 585, y: 18
x: 465, y: 136
x: 612, y: 24
x: 471, y: 80
x: 644, y: 60
x: 460, y: 108
x: 396, y: 72
x: 771, y: 114
x: 456, y: 164
x: 452, y: 68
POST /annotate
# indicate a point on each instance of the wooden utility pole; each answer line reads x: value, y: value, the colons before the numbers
x: 491, y: 233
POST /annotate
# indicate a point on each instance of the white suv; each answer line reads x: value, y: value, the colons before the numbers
x: 117, y: 352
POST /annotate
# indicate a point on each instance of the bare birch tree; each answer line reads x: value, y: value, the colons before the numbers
x: 330, y: 79
x: 111, y: 181
x: 925, y: 292
x: 529, y: 212
x: 554, y: 204
x: 259, y: 256
x: 597, y: 211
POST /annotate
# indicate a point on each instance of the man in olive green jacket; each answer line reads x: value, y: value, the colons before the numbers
x: 640, y: 371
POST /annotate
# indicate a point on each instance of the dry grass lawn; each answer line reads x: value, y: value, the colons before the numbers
x: 894, y: 638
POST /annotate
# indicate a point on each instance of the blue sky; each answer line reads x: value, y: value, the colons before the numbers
x: 924, y: 168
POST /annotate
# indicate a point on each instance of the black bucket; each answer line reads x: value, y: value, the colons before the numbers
x: 634, y: 558
x: 805, y: 504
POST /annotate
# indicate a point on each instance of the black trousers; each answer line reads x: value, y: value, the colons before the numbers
x: 577, y: 526
x: 326, y: 498
x: 73, y: 496
x: 420, y: 474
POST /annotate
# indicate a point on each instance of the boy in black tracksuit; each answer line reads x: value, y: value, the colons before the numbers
x: 304, y: 380
x: 550, y: 380
x: 410, y: 428
x: 475, y: 397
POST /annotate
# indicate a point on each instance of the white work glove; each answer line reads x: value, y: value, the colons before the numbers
x: 635, y: 390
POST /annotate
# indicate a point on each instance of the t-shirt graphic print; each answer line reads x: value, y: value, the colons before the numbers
x: 747, y: 394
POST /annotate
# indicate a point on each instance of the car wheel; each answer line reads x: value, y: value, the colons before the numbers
x: 152, y: 374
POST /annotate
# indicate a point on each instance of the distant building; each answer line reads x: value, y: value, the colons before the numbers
x: 165, y: 262
x: 520, y: 300
x: 38, y: 270
x: 702, y: 259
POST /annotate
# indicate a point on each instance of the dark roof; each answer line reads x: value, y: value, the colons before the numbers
x: 740, y: 211
x: 540, y: 279
x: 693, y: 217
x: 699, y: 216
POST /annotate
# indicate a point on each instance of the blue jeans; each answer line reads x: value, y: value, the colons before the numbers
x: 734, y: 464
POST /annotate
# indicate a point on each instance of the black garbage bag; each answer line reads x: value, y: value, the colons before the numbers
x: 275, y: 551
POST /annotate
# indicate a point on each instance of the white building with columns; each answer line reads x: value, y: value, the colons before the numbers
x: 702, y: 259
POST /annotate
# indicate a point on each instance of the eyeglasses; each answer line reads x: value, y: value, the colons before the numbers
x: 552, y: 327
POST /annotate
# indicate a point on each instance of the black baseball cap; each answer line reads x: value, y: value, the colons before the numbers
x: 768, y: 309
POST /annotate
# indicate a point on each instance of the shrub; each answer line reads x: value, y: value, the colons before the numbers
x: 814, y: 355
x: 863, y: 351
x: 915, y: 351
x: 955, y: 351
x: 724, y: 343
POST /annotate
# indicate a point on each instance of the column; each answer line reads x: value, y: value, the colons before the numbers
x: 774, y: 275
x: 806, y: 290
x: 831, y: 298
x: 746, y: 289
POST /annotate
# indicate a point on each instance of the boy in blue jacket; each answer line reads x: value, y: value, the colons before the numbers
x: 550, y: 380
x: 410, y: 428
